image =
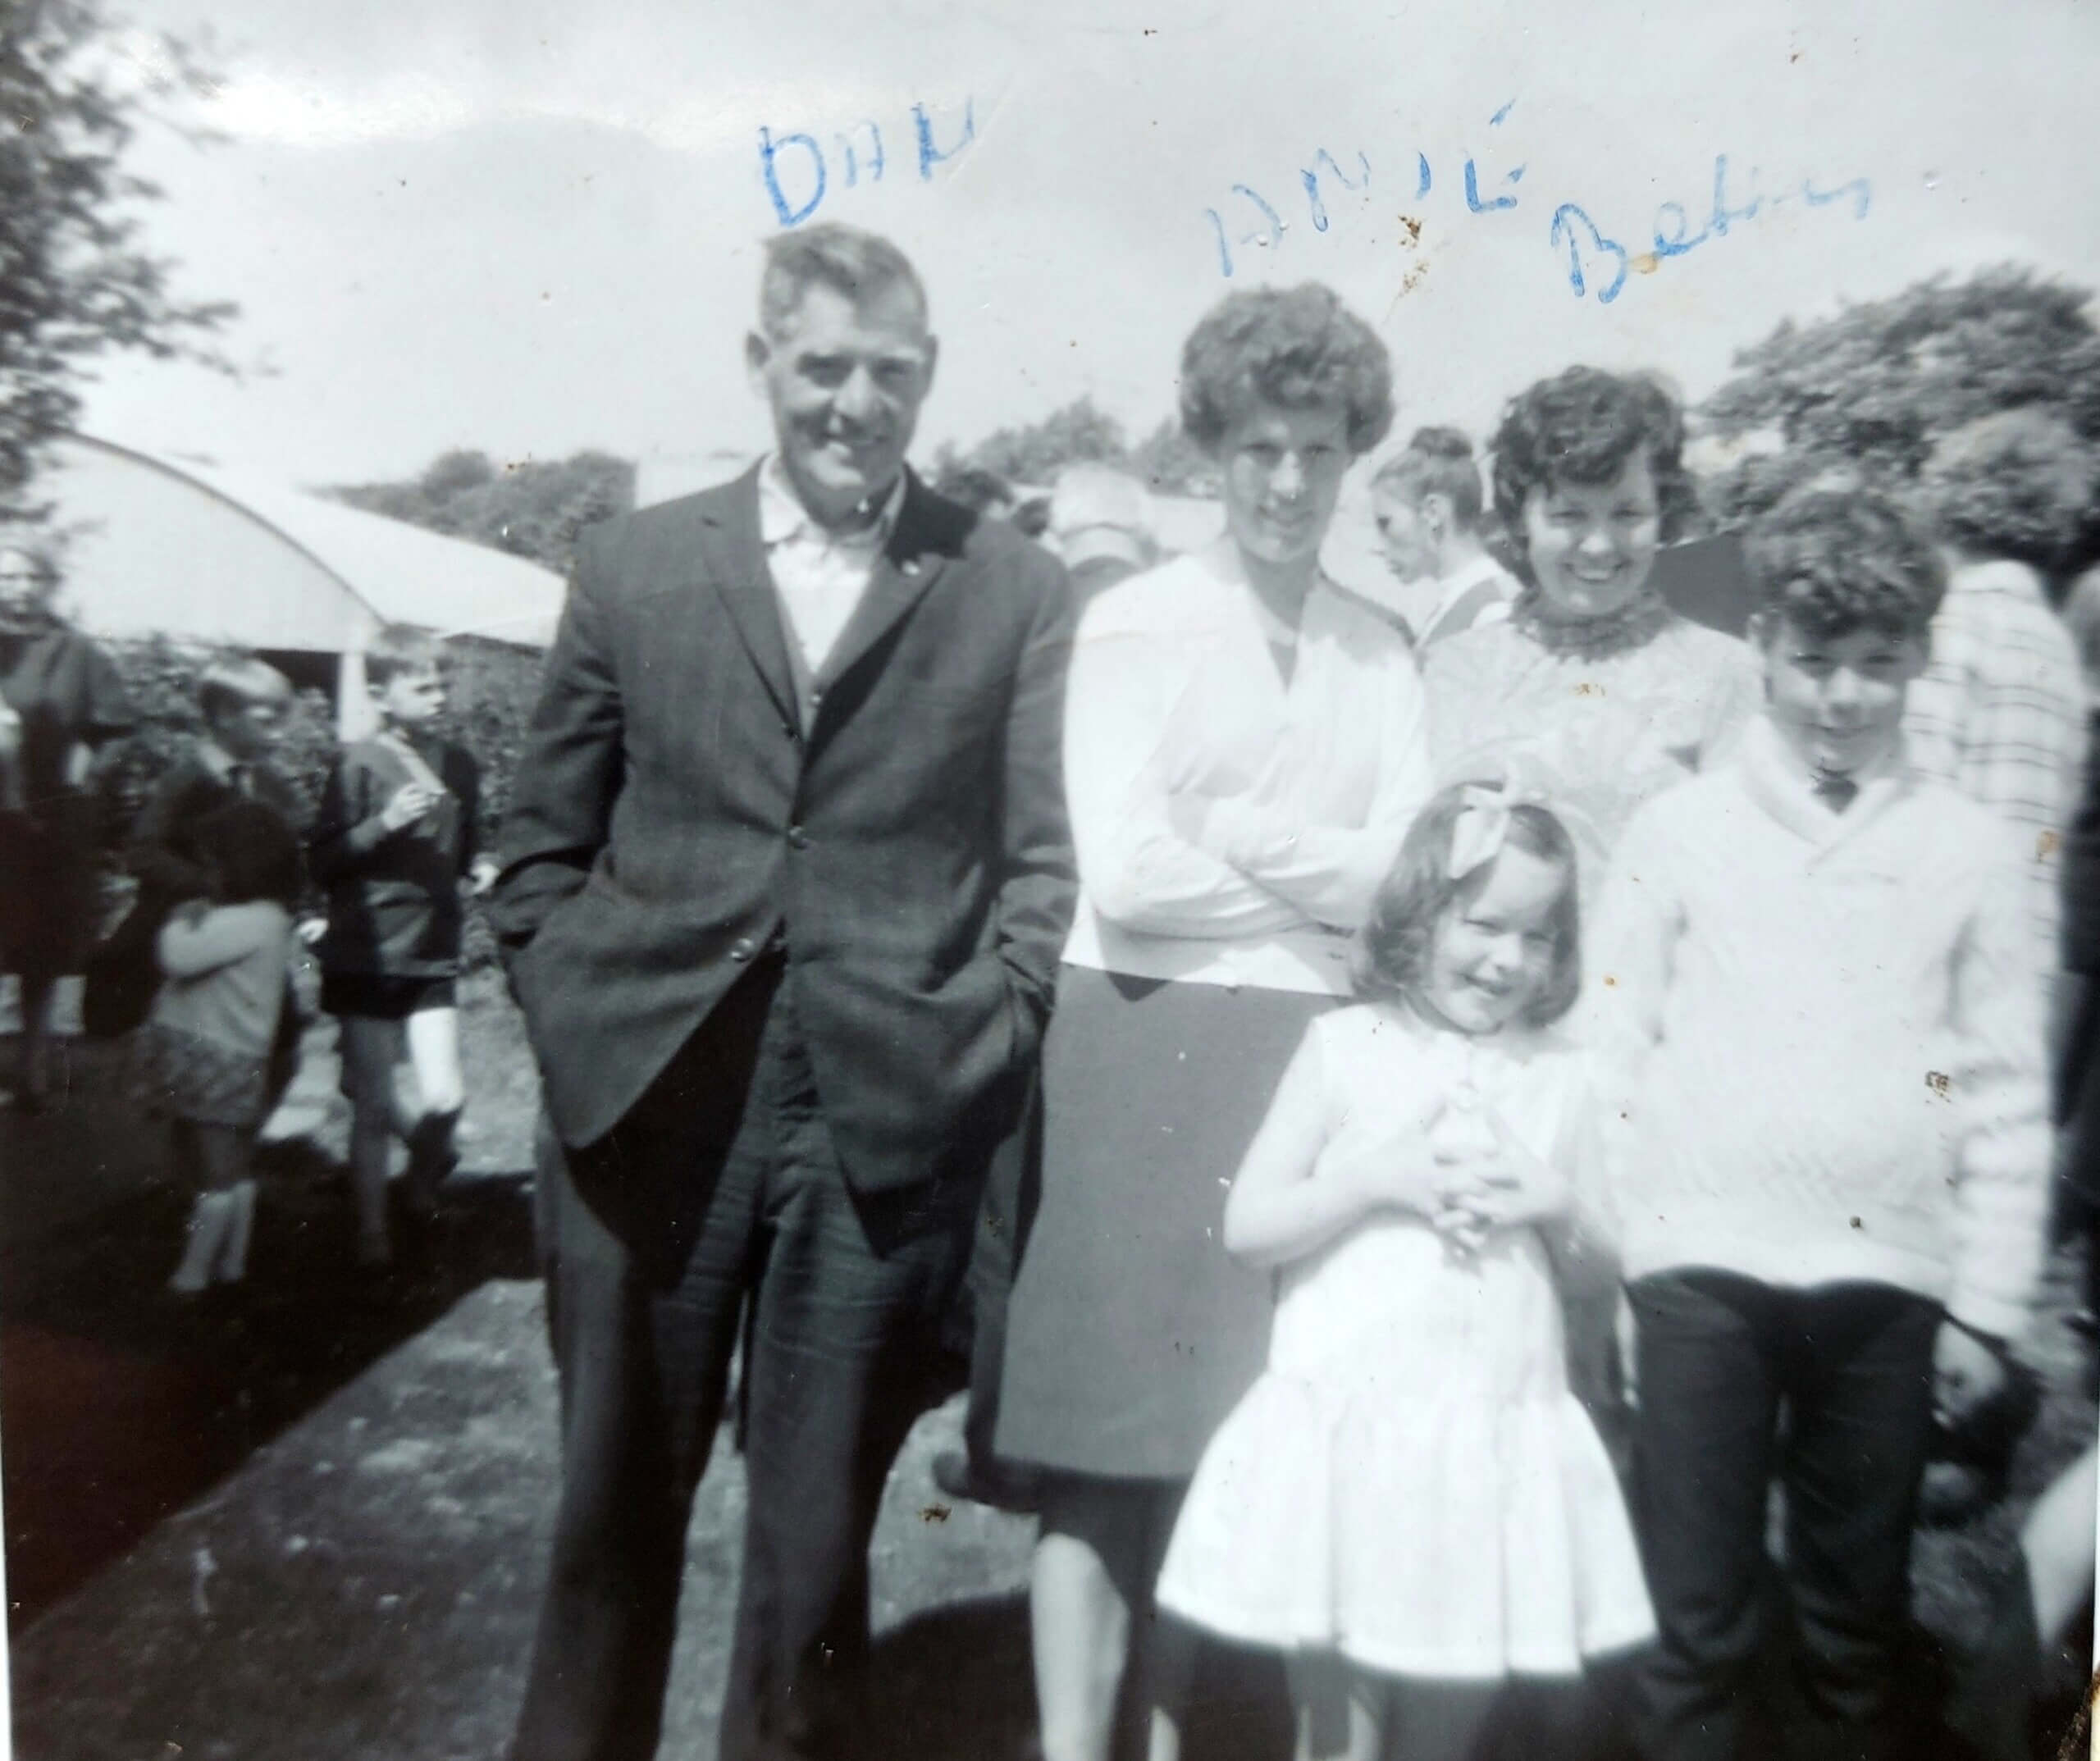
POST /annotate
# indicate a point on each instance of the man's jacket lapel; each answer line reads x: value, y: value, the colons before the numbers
x: 909, y: 565
x: 735, y: 558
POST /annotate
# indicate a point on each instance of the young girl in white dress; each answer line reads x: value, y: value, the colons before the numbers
x: 1409, y: 1502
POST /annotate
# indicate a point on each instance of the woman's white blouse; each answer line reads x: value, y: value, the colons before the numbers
x: 1230, y: 828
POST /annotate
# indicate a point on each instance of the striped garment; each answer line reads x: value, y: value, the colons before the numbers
x: 1999, y: 715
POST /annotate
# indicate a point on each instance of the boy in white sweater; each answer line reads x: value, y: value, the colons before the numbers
x: 1814, y: 994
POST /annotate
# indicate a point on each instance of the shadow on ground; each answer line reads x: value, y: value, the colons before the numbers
x: 954, y: 1684
x: 119, y: 1403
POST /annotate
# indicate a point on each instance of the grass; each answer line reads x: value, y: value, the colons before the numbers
x: 117, y: 1415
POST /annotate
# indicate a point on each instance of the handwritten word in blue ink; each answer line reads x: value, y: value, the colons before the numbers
x: 797, y: 173
x: 1259, y: 222
x: 1597, y: 262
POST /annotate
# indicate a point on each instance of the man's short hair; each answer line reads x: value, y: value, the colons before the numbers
x: 400, y: 648
x: 234, y: 681
x: 1831, y: 561
x: 860, y: 265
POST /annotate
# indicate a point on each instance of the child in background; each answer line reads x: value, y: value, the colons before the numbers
x: 393, y: 839
x: 1821, y: 1023
x: 245, y: 703
x: 1409, y: 1502
x: 205, y: 1049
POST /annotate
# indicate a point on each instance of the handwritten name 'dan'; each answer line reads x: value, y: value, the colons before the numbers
x: 799, y: 174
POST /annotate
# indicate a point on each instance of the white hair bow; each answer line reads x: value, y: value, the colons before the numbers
x: 1482, y: 827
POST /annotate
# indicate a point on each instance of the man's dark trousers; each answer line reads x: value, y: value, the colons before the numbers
x: 1716, y: 1354
x: 721, y: 1190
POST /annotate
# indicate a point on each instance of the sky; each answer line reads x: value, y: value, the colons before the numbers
x: 528, y: 228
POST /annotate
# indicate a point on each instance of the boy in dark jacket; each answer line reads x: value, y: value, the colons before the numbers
x: 395, y: 838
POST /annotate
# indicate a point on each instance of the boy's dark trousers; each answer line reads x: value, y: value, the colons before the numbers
x: 1716, y: 1355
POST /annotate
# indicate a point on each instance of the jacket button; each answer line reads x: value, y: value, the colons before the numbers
x: 798, y: 838
x: 742, y: 948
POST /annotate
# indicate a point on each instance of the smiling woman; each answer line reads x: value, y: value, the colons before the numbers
x: 1593, y: 694
x: 1243, y: 755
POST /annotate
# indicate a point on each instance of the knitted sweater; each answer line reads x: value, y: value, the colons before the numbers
x: 1822, y: 1036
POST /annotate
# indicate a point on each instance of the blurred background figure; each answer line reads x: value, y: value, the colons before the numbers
x: 244, y: 704
x: 1999, y: 714
x: 60, y: 701
x: 1427, y: 502
x: 204, y: 1057
x: 2076, y: 1036
x: 393, y: 842
x: 982, y: 492
x: 1100, y: 524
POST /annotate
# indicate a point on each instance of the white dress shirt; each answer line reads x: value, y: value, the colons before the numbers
x: 820, y: 575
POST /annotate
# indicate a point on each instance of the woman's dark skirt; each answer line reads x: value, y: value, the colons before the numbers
x: 1132, y: 1333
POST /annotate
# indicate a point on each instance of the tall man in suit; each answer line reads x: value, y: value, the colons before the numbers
x: 786, y: 875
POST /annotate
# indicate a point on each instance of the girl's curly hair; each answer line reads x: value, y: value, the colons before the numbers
x: 1297, y: 347
x: 1581, y: 426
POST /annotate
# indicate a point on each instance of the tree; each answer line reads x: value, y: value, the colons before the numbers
x: 74, y: 278
x: 1874, y: 390
x: 1032, y: 453
x: 532, y: 507
x: 1168, y: 463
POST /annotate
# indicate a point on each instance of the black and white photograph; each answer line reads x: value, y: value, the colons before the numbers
x: 982, y: 882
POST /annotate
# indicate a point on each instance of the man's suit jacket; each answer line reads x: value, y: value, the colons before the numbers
x: 669, y: 814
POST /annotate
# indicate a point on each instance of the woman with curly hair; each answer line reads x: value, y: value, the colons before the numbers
x: 1244, y: 752
x: 1593, y: 693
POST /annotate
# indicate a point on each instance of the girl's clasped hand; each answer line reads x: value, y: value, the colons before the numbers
x: 1496, y: 1184
x: 1467, y: 1175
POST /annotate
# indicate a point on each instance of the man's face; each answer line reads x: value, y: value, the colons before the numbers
x: 248, y: 730
x: 845, y: 380
x: 25, y: 589
x: 1838, y: 699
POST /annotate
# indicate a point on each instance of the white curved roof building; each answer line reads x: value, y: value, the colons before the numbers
x: 156, y: 545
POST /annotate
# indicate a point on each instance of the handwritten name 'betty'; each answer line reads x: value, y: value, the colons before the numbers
x: 1596, y: 261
